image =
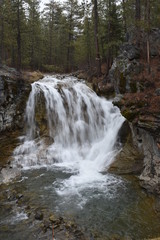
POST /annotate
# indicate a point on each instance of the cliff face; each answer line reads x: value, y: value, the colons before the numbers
x: 138, y: 97
x: 13, y: 94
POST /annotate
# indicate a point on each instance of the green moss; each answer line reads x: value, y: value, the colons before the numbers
x: 129, y: 115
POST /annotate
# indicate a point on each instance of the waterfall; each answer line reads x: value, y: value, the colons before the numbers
x: 81, y: 129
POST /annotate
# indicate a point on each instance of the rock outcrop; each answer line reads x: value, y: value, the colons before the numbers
x: 13, y: 94
x: 14, y: 91
x: 138, y: 97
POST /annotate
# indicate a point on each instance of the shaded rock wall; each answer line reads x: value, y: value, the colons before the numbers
x: 150, y: 174
x: 131, y: 62
x: 129, y: 160
x: 138, y: 98
x: 14, y: 92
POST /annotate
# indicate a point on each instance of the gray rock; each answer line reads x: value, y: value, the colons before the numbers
x: 130, y: 51
x: 38, y: 215
x: 13, y: 95
x: 147, y: 144
x: 8, y: 174
x: 157, y: 92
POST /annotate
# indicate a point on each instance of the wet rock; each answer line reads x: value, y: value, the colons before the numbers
x: 53, y: 218
x: 150, y: 174
x: 32, y: 76
x: 129, y: 160
x: 46, y: 225
x: 19, y: 196
x: 38, y: 215
x: 11, y: 195
x: 8, y: 174
x: 124, y: 132
x: 70, y: 225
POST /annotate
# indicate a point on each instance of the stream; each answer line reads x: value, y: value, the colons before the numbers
x: 70, y: 140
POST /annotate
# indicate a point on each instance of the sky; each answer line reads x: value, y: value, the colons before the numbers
x: 43, y: 2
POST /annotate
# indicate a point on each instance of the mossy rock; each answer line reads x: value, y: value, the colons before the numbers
x: 130, y: 115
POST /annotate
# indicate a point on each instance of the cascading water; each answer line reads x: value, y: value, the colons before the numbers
x: 82, y: 128
x: 70, y: 141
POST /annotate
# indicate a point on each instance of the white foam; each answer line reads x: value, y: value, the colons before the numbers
x: 84, y: 128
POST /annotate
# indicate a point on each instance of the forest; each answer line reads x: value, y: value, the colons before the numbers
x: 64, y: 37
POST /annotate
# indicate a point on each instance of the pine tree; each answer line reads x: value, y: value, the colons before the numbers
x: 72, y: 9
x: 34, y: 34
x: 147, y: 5
x: 1, y: 30
x: 96, y: 32
x: 18, y: 20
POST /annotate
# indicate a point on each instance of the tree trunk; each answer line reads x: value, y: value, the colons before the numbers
x: 124, y: 16
x: 138, y: 11
x: 137, y: 20
x: 18, y: 38
x: 109, y: 29
x: 88, y: 46
x: 1, y: 31
x: 2, y: 39
x: 69, y: 48
x: 98, y: 60
x: 51, y: 34
x: 148, y: 33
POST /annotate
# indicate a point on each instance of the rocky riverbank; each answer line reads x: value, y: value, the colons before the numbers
x: 139, y: 102
x: 137, y: 94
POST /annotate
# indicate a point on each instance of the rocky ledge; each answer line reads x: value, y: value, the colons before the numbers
x: 138, y: 97
x: 14, y: 90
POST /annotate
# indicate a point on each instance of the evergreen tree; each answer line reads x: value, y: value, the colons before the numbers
x: 34, y: 34
x: 72, y: 9
x: 85, y: 44
x: 18, y: 21
x: 96, y: 32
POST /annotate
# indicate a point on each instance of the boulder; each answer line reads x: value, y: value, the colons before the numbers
x: 32, y: 76
x: 8, y: 174
x: 38, y: 215
x: 130, y: 51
